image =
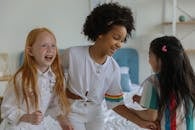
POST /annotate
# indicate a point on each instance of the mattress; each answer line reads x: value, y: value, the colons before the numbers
x: 113, y: 121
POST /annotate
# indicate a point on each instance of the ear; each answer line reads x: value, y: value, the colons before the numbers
x: 29, y: 51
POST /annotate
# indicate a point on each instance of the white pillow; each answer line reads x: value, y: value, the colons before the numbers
x: 124, y: 69
x: 125, y: 79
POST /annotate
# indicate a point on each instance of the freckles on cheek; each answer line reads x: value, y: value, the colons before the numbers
x: 43, y: 50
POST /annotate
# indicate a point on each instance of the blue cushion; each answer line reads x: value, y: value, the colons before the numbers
x: 129, y: 57
x: 125, y: 79
x: 125, y: 82
x: 21, y: 58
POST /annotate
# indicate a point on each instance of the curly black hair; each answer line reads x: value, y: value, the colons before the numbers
x: 103, y: 17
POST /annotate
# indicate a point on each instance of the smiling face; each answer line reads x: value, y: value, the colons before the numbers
x: 112, y: 40
x: 43, y: 50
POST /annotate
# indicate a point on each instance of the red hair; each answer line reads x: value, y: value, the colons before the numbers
x: 30, y: 89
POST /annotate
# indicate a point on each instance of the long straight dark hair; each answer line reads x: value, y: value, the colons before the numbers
x: 176, y: 76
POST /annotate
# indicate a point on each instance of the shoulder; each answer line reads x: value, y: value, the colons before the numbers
x: 152, y: 81
x: 113, y: 64
x: 152, y: 78
x: 75, y: 49
x: 78, y: 49
x: 76, y: 52
x: 18, y: 76
x: 18, y: 81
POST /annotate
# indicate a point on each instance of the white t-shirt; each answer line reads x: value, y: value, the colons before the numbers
x: 90, y: 80
x: 150, y: 99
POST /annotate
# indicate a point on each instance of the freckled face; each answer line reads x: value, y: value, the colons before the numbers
x: 44, y: 50
x: 113, y: 40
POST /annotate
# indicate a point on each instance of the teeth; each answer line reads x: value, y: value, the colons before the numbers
x: 48, y: 57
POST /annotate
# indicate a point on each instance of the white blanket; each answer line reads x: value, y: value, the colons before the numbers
x: 113, y: 121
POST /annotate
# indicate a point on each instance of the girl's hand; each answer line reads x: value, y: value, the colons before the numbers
x: 158, y: 125
x: 34, y: 118
x: 136, y: 98
x: 65, y: 123
x: 149, y: 125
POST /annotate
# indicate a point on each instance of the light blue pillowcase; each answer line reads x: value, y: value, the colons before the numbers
x: 125, y: 79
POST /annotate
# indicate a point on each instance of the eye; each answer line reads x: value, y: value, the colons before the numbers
x: 54, y: 45
x: 123, y: 40
x: 43, y: 45
x: 115, y: 37
x: 118, y: 38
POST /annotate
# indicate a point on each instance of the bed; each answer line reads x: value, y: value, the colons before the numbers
x: 113, y: 121
x: 128, y: 58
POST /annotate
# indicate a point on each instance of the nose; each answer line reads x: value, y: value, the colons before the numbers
x: 119, y: 45
x: 50, y: 49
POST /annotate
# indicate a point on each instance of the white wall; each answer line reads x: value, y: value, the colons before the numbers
x: 18, y: 17
x: 66, y: 17
x: 149, y: 17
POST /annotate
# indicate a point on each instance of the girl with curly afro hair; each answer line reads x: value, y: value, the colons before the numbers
x: 91, y: 72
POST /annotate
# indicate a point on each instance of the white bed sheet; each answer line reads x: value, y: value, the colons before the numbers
x: 113, y: 121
